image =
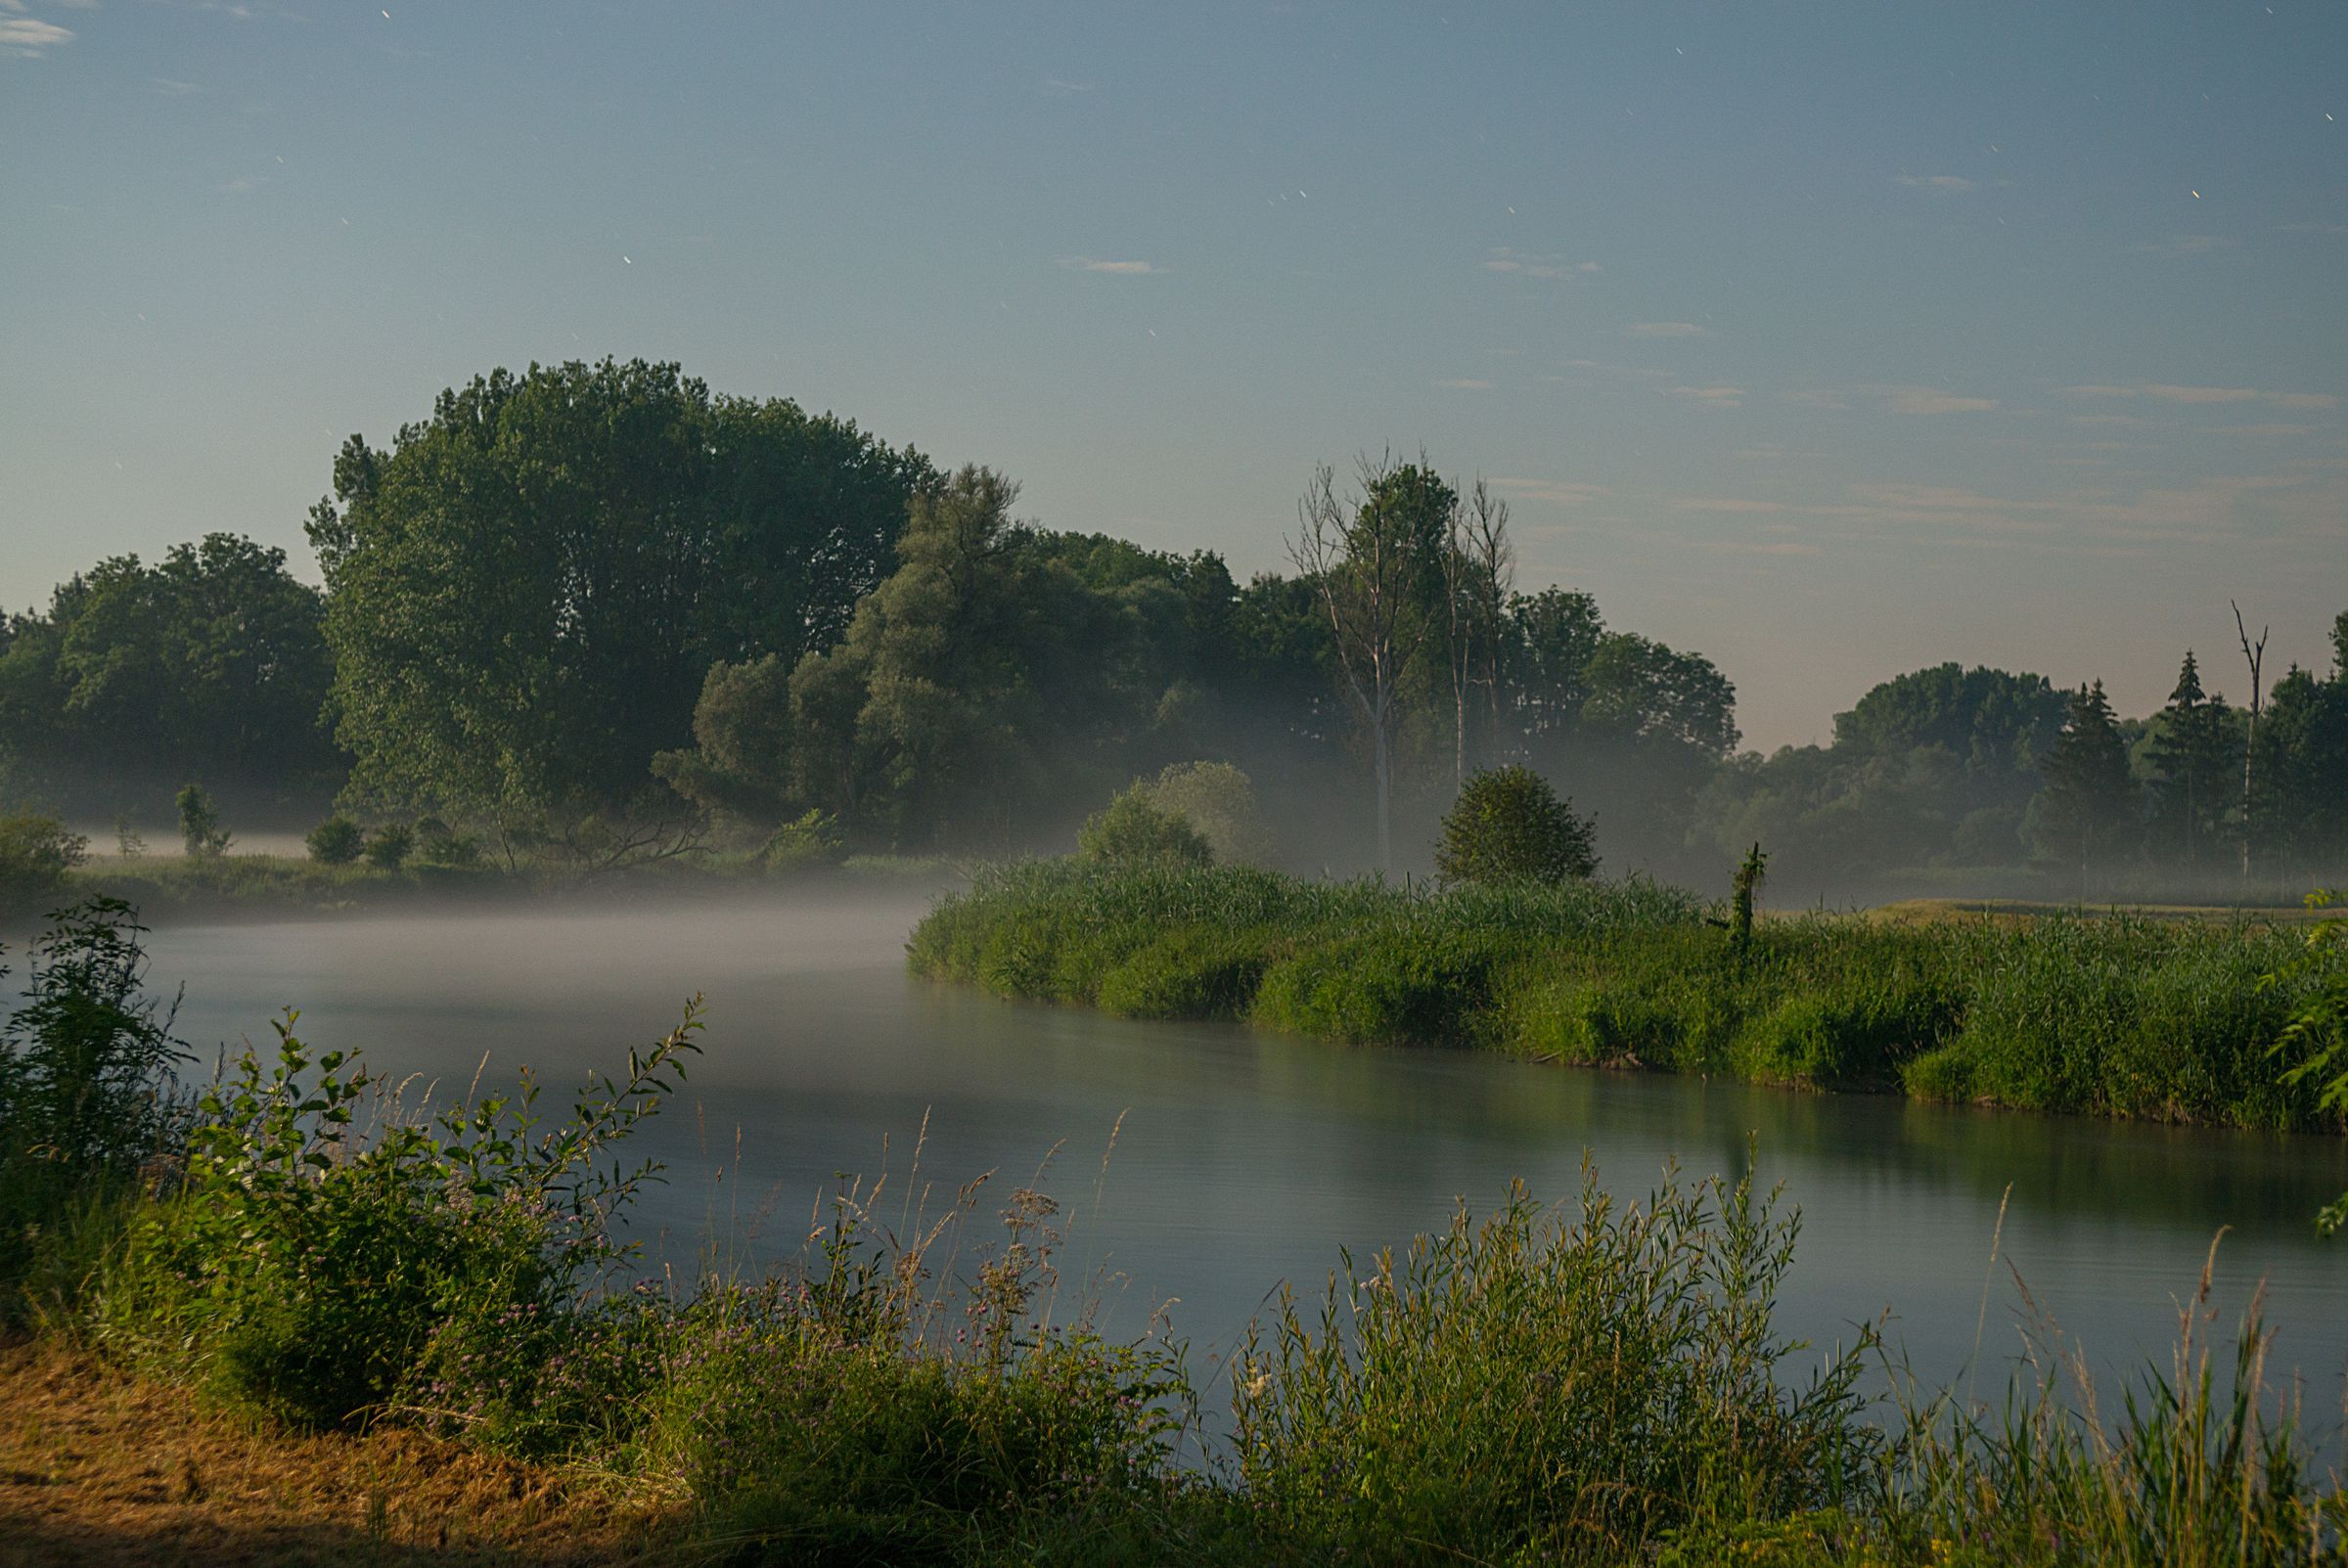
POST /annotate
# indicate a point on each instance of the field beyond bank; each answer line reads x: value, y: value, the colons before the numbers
x: 2112, y: 1014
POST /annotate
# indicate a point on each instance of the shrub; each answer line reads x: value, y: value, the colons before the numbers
x: 1219, y: 801
x: 86, y: 1063
x: 1507, y: 825
x: 1132, y: 832
x: 36, y: 851
x: 388, y: 848
x: 314, y: 1274
x: 335, y: 841
x: 200, y: 823
x: 1541, y: 1387
x: 442, y: 847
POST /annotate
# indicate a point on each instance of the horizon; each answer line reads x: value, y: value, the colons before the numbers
x: 1830, y: 343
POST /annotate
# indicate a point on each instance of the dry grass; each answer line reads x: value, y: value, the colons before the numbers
x: 99, y: 1468
x: 2018, y: 912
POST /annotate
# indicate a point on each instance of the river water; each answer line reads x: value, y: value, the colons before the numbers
x: 1247, y: 1158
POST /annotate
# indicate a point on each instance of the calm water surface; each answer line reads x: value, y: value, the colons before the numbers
x: 1247, y: 1158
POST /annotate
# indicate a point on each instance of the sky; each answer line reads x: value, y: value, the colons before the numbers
x: 1830, y: 340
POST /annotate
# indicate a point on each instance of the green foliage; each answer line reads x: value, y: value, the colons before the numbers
x: 2314, y: 1039
x: 527, y: 590
x: 1539, y: 1388
x: 335, y: 841
x: 1507, y: 825
x: 2125, y: 1017
x: 199, y: 827
x: 390, y: 846
x: 1132, y: 830
x: 86, y: 1062
x: 36, y: 851
x: 316, y: 1269
x: 1742, y: 888
x: 1218, y: 799
x: 210, y: 663
x: 2088, y: 807
x: 809, y: 841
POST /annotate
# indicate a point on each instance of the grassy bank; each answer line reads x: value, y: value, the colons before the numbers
x: 2109, y: 1016
x: 377, y: 1309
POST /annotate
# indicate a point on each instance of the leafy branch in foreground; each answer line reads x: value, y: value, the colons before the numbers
x: 2318, y: 1033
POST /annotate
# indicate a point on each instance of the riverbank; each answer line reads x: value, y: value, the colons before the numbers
x: 251, y: 1320
x: 2112, y: 1015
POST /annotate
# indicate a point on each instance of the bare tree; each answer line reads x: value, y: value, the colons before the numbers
x: 1362, y: 562
x: 1494, y: 556
x: 2256, y: 655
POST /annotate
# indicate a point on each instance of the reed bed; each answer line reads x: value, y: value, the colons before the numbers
x: 2107, y: 1015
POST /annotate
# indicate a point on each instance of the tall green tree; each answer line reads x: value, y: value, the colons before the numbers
x: 2194, y: 771
x: 208, y: 664
x: 528, y: 588
x: 2089, y: 803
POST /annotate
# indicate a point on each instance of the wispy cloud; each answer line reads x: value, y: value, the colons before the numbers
x: 1928, y: 400
x: 1666, y: 329
x: 1635, y: 371
x: 1556, y: 492
x: 2189, y: 244
x: 1709, y: 396
x: 1465, y: 385
x: 2315, y: 228
x: 1814, y: 397
x: 1529, y: 264
x: 172, y: 89
x: 1090, y: 264
x: 1052, y: 84
x: 2166, y: 392
x: 29, y: 37
x: 1937, y: 182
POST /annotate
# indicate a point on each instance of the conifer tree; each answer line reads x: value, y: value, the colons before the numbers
x: 2088, y: 800
x: 2193, y: 765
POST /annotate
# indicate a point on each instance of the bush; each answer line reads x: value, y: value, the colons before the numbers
x: 36, y: 854
x: 1547, y: 1388
x: 199, y: 824
x: 1507, y: 825
x: 442, y: 847
x: 1132, y: 832
x: 1219, y: 801
x: 335, y: 841
x: 85, y: 1085
x: 314, y: 1274
x: 390, y: 845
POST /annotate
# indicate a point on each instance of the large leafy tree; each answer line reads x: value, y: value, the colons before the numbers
x: 528, y: 588
x: 207, y: 664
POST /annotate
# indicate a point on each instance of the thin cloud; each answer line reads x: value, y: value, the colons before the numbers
x: 1636, y: 371
x: 1130, y: 269
x: 1709, y: 396
x: 1927, y: 401
x: 2099, y: 390
x: 1465, y: 385
x: 2189, y: 244
x: 1529, y: 264
x: 1556, y: 492
x: 1666, y: 329
x: 2303, y: 400
x: 2203, y: 394
x: 1937, y: 182
x: 168, y: 88
x: 1052, y: 84
x: 2315, y: 228
x: 1814, y: 397
x: 2258, y: 429
x: 29, y: 37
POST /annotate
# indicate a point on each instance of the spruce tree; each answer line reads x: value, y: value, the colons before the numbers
x: 2192, y: 759
x: 2090, y: 800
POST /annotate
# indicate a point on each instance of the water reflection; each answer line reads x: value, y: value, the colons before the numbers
x: 1246, y: 1159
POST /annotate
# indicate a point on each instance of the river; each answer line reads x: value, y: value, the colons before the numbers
x: 1247, y: 1158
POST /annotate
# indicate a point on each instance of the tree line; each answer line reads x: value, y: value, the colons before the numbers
x: 599, y: 601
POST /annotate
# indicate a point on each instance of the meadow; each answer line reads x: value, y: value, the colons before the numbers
x: 2111, y: 1014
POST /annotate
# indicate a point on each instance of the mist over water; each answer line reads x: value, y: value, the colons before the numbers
x: 1247, y: 1158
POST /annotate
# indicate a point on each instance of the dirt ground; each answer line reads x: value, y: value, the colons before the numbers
x: 97, y: 1468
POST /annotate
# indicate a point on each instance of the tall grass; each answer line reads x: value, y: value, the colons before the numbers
x: 2113, y: 1015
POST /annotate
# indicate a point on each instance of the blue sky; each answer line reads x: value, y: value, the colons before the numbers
x: 1830, y: 340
